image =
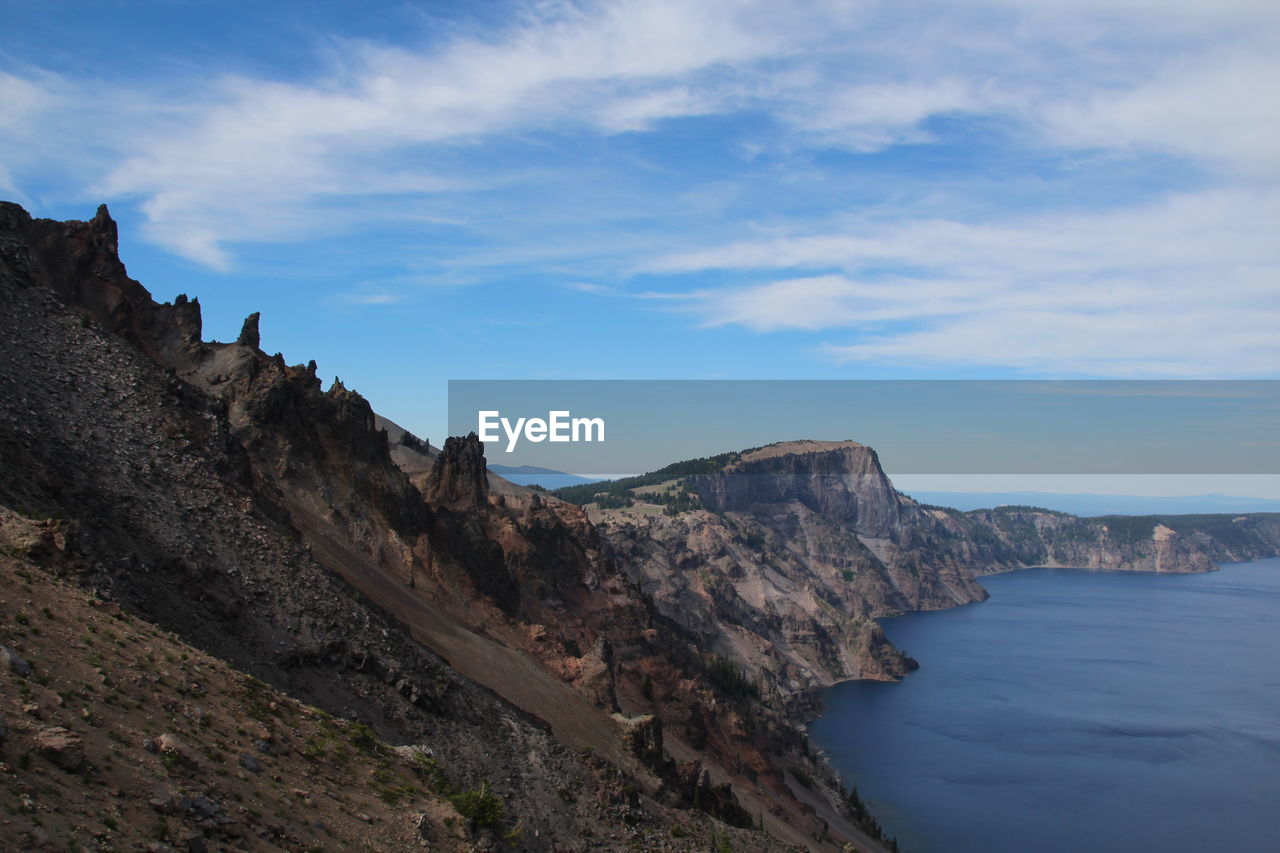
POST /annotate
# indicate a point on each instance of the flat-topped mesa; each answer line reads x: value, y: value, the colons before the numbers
x: 841, y: 480
x: 791, y: 448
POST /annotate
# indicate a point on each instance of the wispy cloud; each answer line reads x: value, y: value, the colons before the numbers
x: 587, y: 287
x: 373, y: 294
x: 1185, y: 286
x: 560, y: 140
x: 1219, y: 109
x: 242, y: 159
x: 259, y: 156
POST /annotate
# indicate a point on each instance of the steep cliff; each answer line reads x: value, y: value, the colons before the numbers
x: 1012, y: 537
x: 840, y: 481
x: 789, y: 562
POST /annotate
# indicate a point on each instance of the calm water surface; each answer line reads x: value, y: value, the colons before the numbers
x: 1078, y: 711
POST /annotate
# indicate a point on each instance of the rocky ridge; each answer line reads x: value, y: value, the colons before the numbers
x: 231, y: 499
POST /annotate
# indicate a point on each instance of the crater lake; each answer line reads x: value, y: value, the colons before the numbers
x: 1077, y: 710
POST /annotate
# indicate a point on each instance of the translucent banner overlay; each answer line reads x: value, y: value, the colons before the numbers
x: 1070, y: 427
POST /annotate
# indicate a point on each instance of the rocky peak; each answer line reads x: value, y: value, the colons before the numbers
x: 249, y: 335
x: 458, y: 476
x: 105, y: 228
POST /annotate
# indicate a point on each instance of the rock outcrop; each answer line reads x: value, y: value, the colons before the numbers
x: 840, y: 481
x: 789, y: 564
x: 459, y: 477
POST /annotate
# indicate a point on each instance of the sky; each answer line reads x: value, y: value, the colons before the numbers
x: 417, y: 192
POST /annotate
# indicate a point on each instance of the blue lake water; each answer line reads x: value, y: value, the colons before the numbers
x: 1111, y: 712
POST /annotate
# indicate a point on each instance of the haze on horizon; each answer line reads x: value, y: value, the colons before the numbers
x: 413, y: 192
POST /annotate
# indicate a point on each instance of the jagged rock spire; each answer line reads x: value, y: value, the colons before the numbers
x: 458, y: 476
x: 103, y: 225
x: 249, y: 331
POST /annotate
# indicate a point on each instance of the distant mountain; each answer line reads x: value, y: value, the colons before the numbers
x: 1089, y: 505
x: 532, y: 475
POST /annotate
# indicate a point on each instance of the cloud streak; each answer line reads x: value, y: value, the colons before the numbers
x: 531, y: 137
x: 1185, y: 286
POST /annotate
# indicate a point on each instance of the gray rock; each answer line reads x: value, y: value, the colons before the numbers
x: 250, y: 763
x: 16, y: 663
x: 203, y: 807
x: 164, y: 802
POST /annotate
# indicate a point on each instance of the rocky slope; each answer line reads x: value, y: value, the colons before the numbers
x: 232, y: 500
x: 117, y: 735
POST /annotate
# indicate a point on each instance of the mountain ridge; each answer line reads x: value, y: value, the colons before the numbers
x: 226, y: 496
x: 1092, y: 505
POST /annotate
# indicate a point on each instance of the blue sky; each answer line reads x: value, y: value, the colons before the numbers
x: 417, y: 192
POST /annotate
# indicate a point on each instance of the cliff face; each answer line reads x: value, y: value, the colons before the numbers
x: 786, y: 569
x: 1016, y: 537
x: 839, y: 481
x: 222, y: 495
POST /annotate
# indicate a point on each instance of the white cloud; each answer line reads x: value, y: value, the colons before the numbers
x: 873, y: 116
x: 1146, y: 340
x: 1187, y: 286
x: 1146, y: 289
x: 373, y: 294
x: 253, y: 156
x: 641, y: 111
x: 1199, y: 229
x: 587, y: 287
x: 24, y: 100
x: 1220, y: 110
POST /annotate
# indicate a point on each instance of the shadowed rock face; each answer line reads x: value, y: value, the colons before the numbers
x: 78, y: 262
